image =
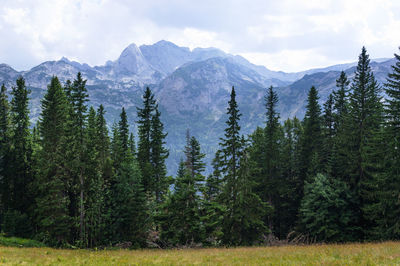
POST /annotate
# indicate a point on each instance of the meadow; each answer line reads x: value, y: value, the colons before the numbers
x: 387, y: 253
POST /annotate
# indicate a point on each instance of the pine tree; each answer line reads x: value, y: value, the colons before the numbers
x: 51, y: 183
x: 94, y: 185
x: 20, y: 178
x: 272, y: 181
x: 158, y: 156
x: 328, y: 133
x: 4, y: 149
x: 364, y: 125
x: 340, y: 99
x: 144, y: 145
x: 241, y: 225
x: 79, y: 99
x: 128, y: 211
x: 291, y: 191
x: 325, y: 211
x: 338, y: 167
x: 388, y: 205
x: 311, y: 138
x: 194, y: 157
x: 180, y: 218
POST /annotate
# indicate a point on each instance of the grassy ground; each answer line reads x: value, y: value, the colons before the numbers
x: 387, y: 253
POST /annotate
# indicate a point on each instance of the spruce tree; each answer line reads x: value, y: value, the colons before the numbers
x: 145, y: 115
x: 4, y: 149
x: 94, y: 185
x: 158, y: 156
x: 325, y: 212
x: 51, y: 182
x: 311, y: 141
x: 21, y: 152
x: 388, y: 206
x: 364, y: 125
x: 79, y: 99
x: 180, y: 217
x: 128, y: 211
x: 241, y: 225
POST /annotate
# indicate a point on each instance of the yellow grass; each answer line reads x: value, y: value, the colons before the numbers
x: 387, y: 253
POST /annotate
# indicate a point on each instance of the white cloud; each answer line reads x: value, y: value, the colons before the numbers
x: 283, y: 35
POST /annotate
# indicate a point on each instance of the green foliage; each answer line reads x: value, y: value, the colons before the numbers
x: 311, y: 138
x: 325, y: 211
x: 19, y: 242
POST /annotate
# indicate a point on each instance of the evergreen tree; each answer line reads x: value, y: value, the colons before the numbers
x: 194, y: 157
x: 79, y: 99
x: 388, y: 205
x: 291, y: 190
x: 94, y: 185
x: 312, y: 137
x: 340, y: 99
x: 145, y: 115
x: 180, y: 218
x: 325, y: 211
x: 241, y: 225
x: 328, y: 132
x: 128, y: 210
x: 4, y: 149
x: 158, y: 156
x: 51, y: 200
x: 21, y: 152
x: 364, y: 123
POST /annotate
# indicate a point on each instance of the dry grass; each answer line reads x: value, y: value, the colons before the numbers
x: 387, y: 253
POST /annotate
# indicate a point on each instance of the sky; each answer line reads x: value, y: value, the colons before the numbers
x: 286, y: 35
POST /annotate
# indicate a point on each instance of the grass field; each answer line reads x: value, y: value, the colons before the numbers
x: 387, y: 253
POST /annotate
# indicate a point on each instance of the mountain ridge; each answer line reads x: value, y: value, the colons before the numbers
x: 191, y: 86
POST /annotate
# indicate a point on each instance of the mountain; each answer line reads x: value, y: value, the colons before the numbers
x: 191, y: 86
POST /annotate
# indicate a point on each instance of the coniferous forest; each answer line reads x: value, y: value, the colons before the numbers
x: 70, y: 181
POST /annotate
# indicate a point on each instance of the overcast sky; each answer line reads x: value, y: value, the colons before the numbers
x: 286, y: 35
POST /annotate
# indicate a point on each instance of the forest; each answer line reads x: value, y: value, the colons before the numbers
x: 70, y: 181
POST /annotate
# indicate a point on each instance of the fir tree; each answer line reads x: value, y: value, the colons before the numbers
x: 241, y: 225
x: 158, y: 156
x: 325, y: 211
x: 312, y: 137
x: 21, y: 176
x: 145, y: 115
x: 364, y: 122
x: 180, y: 218
x: 4, y: 149
x: 388, y: 205
x: 52, y: 201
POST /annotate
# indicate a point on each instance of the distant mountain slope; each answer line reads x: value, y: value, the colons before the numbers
x: 192, y: 88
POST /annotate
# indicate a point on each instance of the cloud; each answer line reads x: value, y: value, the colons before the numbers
x: 283, y: 35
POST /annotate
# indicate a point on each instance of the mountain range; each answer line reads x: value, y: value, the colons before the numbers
x: 191, y: 87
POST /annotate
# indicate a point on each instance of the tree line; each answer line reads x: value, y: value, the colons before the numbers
x: 332, y: 177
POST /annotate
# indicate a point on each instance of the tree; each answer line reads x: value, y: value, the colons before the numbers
x: 328, y: 134
x: 144, y: 145
x: 242, y: 225
x: 51, y: 182
x: 340, y: 99
x: 4, y: 149
x: 325, y: 211
x: 180, y: 217
x: 388, y: 206
x: 128, y: 211
x: 364, y: 126
x: 94, y: 184
x: 312, y: 137
x: 20, y: 178
x: 194, y: 157
x: 158, y: 156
